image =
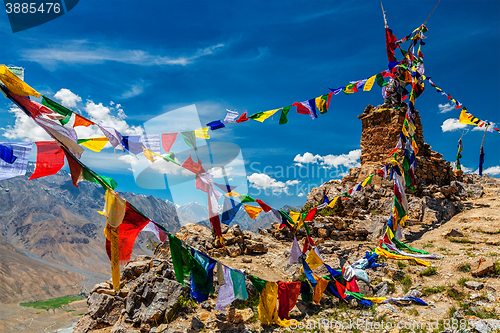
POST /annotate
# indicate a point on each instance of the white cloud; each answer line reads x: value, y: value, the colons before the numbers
x: 452, y: 124
x: 67, y: 98
x: 307, y: 158
x: 134, y: 90
x: 128, y: 158
x: 492, y: 171
x: 300, y: 195
x: 84, y: 52
x: 350, y: 160
x: 443, y: 108
x: 264, y: 182
x: 490, y: 129
x: 24, y: 128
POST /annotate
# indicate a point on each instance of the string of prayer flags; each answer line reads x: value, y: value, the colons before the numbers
x: 230, y: 116
x: 132, y: 144
x: 246, y: 198
x: 15, y: 84
x: 32, y: 108
x: 192, y: 166
x: 261, y: 116
x: 94, y: 144
x: 21, y: 151
x: 49, y: 159
x: 64, y: 135
x: 252, y: 211
x: 239, y: 286
x: 152, y: 142
x: 80, y: 172
x: 263, y: 205
x: 284, y: 115
x: 168, y: 140
x: 307, y: 107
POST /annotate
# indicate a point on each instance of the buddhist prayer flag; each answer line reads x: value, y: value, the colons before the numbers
x: 114, y: 208
x: 230, y: 116
x: 226, y: 292
x: 252, y: 211
x: 369, y: 83
x: 15, y: 84
x: 114, y: 137
x: 64, y: 135
x: 58, y: 108
x: 82, y: 121
x: 268, y: 311
x: 94, y: 144
x: 181, y: 258
x: 288, y: 294
x: 132, y: 144
x: 192, y: 166
x: 7, y: 154
x: 264, y: 206
x: 21, y: 151
x: 168, y: 140
x: 80, y: 172
x: 216, y: 124
x: 189, y: 139
x: 158, y: 230
x: 202, y: 133
x: 202, y: 276
x: 320, y: 288
x: 152, y: 142
x: 323, y: 102
x: 313, y: 260
x: 246, y: 198
x: 295, y: 252
x: 229, y: 210
x: 132, y: 224
x: 307, y: 107
x: 242, y: 118
x: 32, y: 108
x: 49, y: 159
x: 261, y: 116
x: 284, y: 115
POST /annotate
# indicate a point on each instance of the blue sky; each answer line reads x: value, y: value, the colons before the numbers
x: 125, y: 63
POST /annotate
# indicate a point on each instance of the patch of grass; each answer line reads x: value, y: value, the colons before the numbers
x: 497, y: 267
x: 428, y: 271
x: 251, y: 302
x: 401, y: 265
x: 451, y: 311
x: 376, y: 211
x: 443, y: 249
x: 405, y: 281
x: 488, y: 232
x: 455, y: 294
x: 70, y: 310
x: 80, y: 314
x: 38, y: 312
x: 413, y: 312
x: 427, y: 245
x: 53, y: 303
x: 464, y: 219
x: 464, y: 267
x: 462, y: 280
x: 461, y: 240
x: 391, y: 287
x: 185, y: 302
x: 433, y: 290
x: 492, y: 254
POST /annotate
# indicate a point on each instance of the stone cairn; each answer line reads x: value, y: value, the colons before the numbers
x: 437, y: 197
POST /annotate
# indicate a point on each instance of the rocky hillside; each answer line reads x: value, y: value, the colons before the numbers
x: 52, y: 235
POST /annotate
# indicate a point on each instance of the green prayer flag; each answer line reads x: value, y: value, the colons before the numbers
x: 258, y: 283
x: 323, y: 109
x: 170, y: 157
x: 406, y: 169
x: 104, y: 181
x: 284, y: 115
x: 181, y: 259
x: 380, y: 80
x: 286, y: 215
x: 399, y: 208
x: 401, y: 246
x: 189, y: 139
x: 57, y: 108
x: 246, y: 198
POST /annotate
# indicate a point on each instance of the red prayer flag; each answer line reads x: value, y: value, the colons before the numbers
x: 192, y: 166
x: 264, y: 206
x: 82, y: 121
x: 75, y: 168
x: 49, y: 159
x: 310, y: 214
x: 288, y: 294
x: 242, y: 118
x: 168, y: 140
x: 340, y: 289
x: 34, y: 109
x: 390, y: 42
x: 132, y: 224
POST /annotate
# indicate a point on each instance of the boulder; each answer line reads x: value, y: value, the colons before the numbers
x: 233, y: 250
x: 483, y: 267
x: 252, y: 246
x: 237, y: 316
x: 452, y: 233
x: 474, y: 285
x: 475, y: 191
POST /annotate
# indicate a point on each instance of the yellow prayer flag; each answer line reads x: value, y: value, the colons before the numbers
x: 321, y: 285
x: 114, y: 208
x: 414, y: 145
x: 252, y: 211
x: 295, y: 216
x: 368, y: 180
x: 377, y: 300
x: 313, y: 260
x: 202, y: 133
x: 320, y: 104
x: 94, y: 144
x: 268, y: 311
x: 369, y: 83
x: 264, y: 115
x: 148, y: 154
x: 467, y: 118
x: 389, y: 255
x: 333, y: 202
x: 15, y: 84
x: 405, y: 132
x: 233, y: 194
